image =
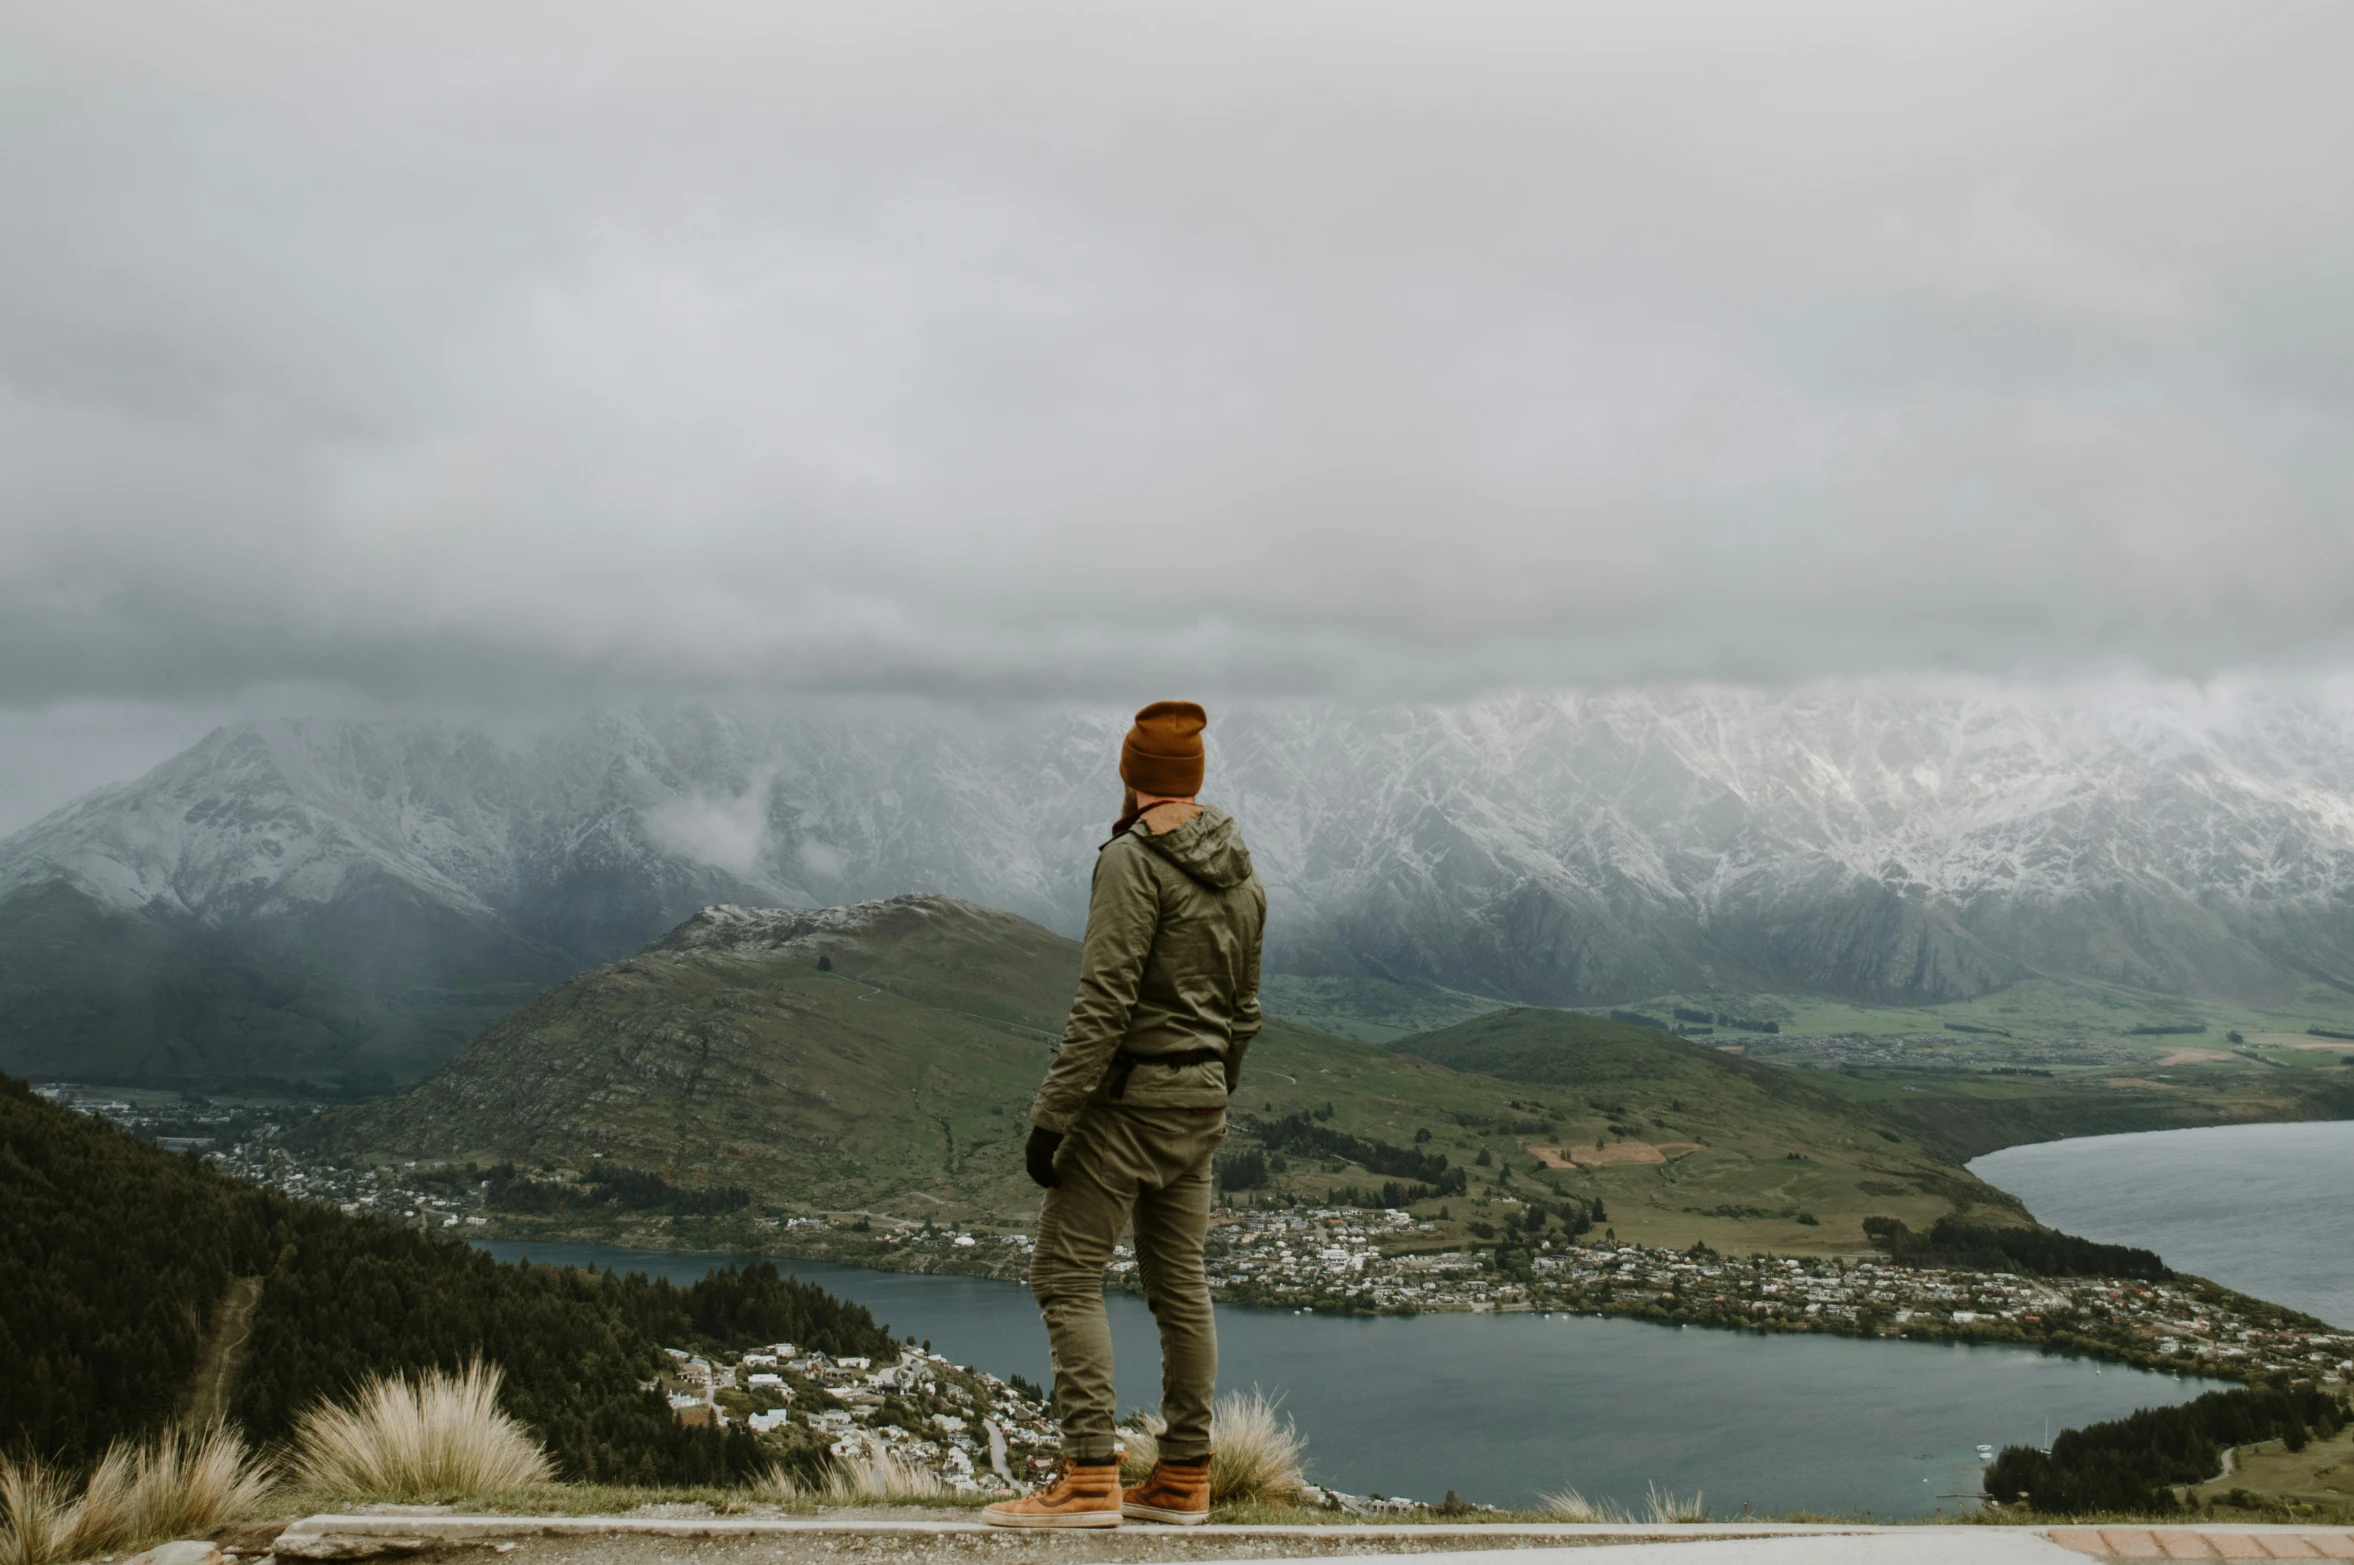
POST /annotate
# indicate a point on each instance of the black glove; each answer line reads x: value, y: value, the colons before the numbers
x: 1039, y: 1154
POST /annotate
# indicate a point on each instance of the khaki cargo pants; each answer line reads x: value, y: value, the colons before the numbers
x: 1152, y: 1167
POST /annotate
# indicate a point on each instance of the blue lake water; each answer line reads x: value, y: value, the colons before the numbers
x: 1501, y: 1407
x: 2266, y: 1209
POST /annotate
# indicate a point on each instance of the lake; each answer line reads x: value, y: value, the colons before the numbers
x: 2261, y: 1208
x: 1501, y: 1407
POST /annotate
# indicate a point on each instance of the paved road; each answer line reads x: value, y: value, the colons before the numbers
x: 1952, y: 1546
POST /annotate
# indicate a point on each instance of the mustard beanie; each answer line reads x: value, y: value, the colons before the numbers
x: 1163, y: 752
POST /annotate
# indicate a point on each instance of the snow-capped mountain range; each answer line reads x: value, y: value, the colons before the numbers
x: 314, y: 895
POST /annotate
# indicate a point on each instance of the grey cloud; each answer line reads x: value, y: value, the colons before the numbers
x: 567, y: 351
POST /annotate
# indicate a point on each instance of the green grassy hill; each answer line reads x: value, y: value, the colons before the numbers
x: 880, y: 1060
x: 896, y: 1075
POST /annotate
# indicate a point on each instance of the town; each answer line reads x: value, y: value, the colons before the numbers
x: 1356, y: 1261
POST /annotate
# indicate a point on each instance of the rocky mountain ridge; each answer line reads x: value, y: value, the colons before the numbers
x: 305, y: 895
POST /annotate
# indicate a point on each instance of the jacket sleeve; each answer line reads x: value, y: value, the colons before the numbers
x: 1123, y: 914
x: 1246, y: 1014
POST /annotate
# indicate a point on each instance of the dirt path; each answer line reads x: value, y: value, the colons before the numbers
x: 223, y: 1356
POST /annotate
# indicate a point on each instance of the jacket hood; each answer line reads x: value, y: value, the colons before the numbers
x: 1209, y: 848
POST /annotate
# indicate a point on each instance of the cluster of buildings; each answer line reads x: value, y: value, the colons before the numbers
x: 423, y: 1195
x: 1348, y: 1260
x: 168, y: 1125
x: 973, y: 1431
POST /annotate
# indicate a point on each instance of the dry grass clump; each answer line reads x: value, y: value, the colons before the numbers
x: 169, y: 1487
x: 881, y: 1476
x: 444, y: 1433
x: 876, y: 1476
x: 1659, y: 1505
x: 40, y: 1515
x: 1572, y: 1506
x: 1140, y: 1445
x: 1255, y: 1450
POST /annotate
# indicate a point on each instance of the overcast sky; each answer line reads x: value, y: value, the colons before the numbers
x: 421, y: 354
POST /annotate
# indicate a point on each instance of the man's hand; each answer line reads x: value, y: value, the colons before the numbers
x: 1040, y: 1155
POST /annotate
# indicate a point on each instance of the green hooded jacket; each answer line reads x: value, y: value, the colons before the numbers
x: 1170, y: 966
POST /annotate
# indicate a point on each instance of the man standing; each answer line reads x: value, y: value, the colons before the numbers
x: 1132, y: 1108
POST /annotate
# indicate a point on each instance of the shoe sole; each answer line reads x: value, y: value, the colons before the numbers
x: 1153, y: 1513
x: 1068, y: 1519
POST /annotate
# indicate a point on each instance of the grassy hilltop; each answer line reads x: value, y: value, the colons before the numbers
x: 880, y: 1060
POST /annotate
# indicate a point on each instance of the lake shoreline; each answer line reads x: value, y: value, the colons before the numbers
x: 1506, y: 1407
x: 2255, y: 1205
x: 2095, y: 1330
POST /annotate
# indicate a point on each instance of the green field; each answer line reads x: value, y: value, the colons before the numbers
x: 2269, y: 1475
x: 2032, y: 1011
x: 1369, y: 1010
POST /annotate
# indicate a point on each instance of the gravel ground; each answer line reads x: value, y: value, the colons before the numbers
x: 1108, y: 1546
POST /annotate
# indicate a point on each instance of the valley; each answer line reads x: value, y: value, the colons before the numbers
x: 850, y: 1085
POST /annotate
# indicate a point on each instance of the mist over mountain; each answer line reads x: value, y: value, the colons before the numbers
x: 327, y: 897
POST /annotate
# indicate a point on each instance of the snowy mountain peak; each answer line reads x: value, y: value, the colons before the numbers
x: 1916, y: 842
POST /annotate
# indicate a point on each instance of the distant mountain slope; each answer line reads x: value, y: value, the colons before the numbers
x: 896, y: 1080
x: 318, y: 896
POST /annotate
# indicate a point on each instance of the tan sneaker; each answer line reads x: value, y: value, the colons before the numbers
x: 1177, y: 1495
x: 1080, y: 1496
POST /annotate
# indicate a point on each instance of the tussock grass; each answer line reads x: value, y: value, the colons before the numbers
x: 184, y: 1486
x: 880, y: 1476
x: 877, y: 1476
x: 1659, y: 1506
x: 1140, y: 1445
x: 1567, y: 1504
x: 170, y: 1487
x: 444, y: 1432
x: 1256, y: 1450
x: 40, y: 1514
